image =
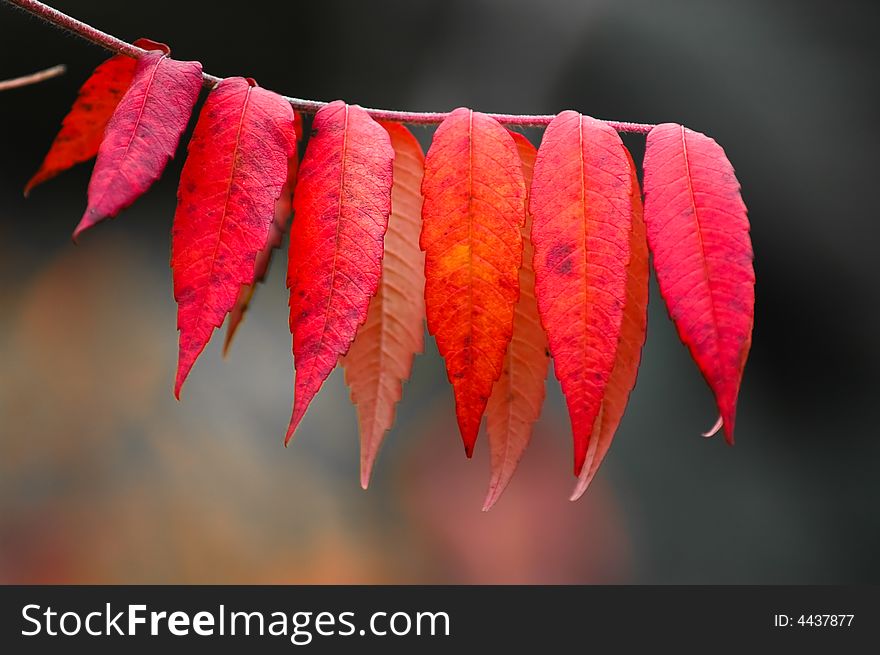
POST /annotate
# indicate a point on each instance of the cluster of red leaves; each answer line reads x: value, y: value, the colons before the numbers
x: 513, y: 255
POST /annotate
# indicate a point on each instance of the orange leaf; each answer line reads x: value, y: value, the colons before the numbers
x: 380, y: 358
x: 629, y: 350
x: 581, y: 207
x: 515, y: 403
x: 473, y: 211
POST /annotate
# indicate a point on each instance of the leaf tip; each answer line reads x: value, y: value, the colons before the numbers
x: 227, y: 343
x: 711, y: 432
x: 469, y: 429
x: 184, y: 366
x: 38, y: 178
x: 728, y: 435
x: 295, y: 418
x: 235, y: 317
x: 367, y: 469
x: 497, y: 486
x: 727, y: 419
x: 581, y: 486
x: 492, y: 497
x: 84, y: 224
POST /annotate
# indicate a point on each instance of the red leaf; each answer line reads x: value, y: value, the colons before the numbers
x: 471, y: 219
x: 629, y: 350
x: 235, y: 169
x: 581, y: 207
x: 381, y: 356
x: 142, y: 134
x: 283, y: 210
x: 515, y: 403
x: 698, y: 233
x: 83, y: 127
x: 342, y: 202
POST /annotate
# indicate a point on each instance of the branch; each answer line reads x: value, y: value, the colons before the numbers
x: 116, y: 45
x: 33, y: 78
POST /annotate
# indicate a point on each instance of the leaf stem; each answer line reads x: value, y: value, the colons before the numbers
x: 33, y: 78
x: 116, y: 45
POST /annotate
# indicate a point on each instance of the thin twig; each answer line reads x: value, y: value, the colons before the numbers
x: 114, y: 44
x: 33, y: 78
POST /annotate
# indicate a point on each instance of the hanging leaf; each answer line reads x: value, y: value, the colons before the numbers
x: 581, y: 208
x: 629, y: 349
x: 142, y: 134
x: 236, y: 166
x: 472, y: 215
x: 342, y: 202
x: 517, y: 397
x: 83, y: 127
x: 283, y: 212
x: 698, y: 233
x: 381, y: 356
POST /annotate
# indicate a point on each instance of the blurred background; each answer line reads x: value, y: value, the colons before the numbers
x: 104, y: 477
